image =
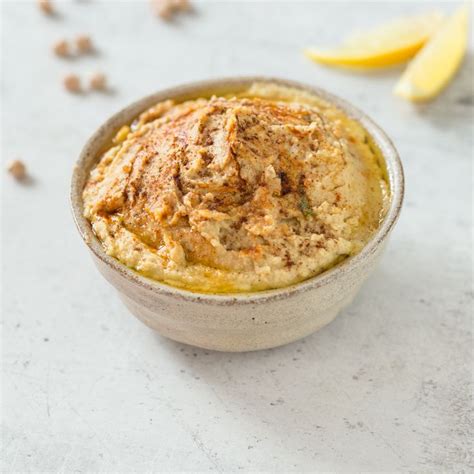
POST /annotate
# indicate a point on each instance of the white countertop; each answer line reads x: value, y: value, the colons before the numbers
x: 87, y: 388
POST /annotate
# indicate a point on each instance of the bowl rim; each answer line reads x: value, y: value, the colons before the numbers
x: 193, y: 89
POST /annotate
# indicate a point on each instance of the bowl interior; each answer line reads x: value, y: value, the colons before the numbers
x: 101, y: 140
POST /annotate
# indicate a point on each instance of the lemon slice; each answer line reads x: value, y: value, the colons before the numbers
x: 384, y: 45
x: 438, y: 61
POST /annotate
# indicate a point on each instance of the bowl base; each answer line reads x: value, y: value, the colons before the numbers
x: 231, y: 338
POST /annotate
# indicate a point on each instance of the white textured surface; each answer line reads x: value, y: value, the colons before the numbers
x: 86, y: 387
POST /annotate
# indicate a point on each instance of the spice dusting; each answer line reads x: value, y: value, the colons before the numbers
x: 238, y: 193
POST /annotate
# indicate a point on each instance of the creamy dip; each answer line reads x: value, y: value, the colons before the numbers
x: 238, y: 193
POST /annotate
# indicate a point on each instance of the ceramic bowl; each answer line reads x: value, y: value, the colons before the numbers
x: 236, y: 322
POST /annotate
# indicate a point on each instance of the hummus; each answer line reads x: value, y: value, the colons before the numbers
x: 237, y: 193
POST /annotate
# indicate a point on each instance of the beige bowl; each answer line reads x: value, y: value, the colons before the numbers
x: 237, y: 322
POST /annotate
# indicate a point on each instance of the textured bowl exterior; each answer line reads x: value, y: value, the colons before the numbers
x: 241, y: 322
x: 233, y: 326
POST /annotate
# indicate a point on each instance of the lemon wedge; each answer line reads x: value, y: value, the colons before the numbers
x: 384, y: 45
x: 438, y: 61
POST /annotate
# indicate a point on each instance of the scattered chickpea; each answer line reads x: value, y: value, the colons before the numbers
x: 98, y: 81
x: 182, y: 5
x: 164, y: 8
x: 46, y: 6
x: 61, y: 48
x: 72, y: 83
x: 84, y: 44
x: 17, y: 169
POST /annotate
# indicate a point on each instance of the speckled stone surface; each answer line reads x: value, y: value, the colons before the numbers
x: 87, y: 388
